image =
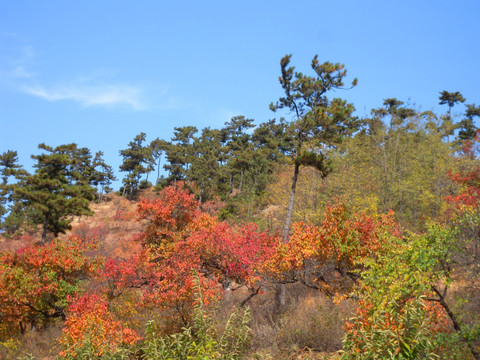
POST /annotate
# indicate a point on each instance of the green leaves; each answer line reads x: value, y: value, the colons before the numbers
x: 137, y: 161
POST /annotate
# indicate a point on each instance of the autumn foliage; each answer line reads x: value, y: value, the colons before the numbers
x: 325, y: 256
x: 184, y: 251
x: 35, y: 281
x: 181, y: 240
x: 91, y: 329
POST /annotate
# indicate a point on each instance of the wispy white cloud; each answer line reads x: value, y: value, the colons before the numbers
x: 20, y: 72
x: 15, y: 64
x: 95, y: 88
x: 91, y: 95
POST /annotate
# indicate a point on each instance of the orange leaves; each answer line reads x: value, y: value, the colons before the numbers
x: 36, y: 280
x: 353, y: 236
x: 407, y: 330
x: 171, y: 212
x: 325, y: 253
x: 304, y: 244
x: 439, y: 320
x: 90, y: 324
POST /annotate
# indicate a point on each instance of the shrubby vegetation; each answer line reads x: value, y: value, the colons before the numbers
x: 374, y: 240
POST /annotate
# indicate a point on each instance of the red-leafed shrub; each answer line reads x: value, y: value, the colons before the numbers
x: 91, y: 329
x: 35, y: 281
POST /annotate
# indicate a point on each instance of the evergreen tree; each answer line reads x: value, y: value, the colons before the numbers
x: 56, y: 191
x: 451, y: 99
x: 272, y: 140
x: 180, y: 153
x: 136, y: 162
x: 206, y: 171
x: 467, y: 128
x: 239, y: 150
x: 159, y: 147
x: 102, y: 175
x: 318, y: 121
x: 8, y: 169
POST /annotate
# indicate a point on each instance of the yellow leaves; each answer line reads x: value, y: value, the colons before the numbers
x: 203, y: 221
x: 309, y: 198
x: 338, y: 298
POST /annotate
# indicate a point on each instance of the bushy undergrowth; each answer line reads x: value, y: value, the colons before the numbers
x: 203, y: 339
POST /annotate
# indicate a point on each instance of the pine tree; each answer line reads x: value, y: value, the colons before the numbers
x: 136, y: 162
x: 8, y: 169
x: 239, y: 150
x: 205, y: 171
x: 56, y: 191
x: 451, y: 99
x: 102, y: 175
x: 318, y: 121
x: 467, y: 128
x: 180, y: 153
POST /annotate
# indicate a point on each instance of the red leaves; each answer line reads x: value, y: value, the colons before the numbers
x: 91, y: 324
x: 180, y: 240
x: 35, y: 281
x: 169, y: 215
x: 469, y: 195
x: 233, y: 253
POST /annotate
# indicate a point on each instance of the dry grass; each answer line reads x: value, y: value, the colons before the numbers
x: 43, y: 344
x: 310, y: 328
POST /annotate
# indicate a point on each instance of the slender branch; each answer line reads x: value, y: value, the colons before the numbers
x: 249, y: 297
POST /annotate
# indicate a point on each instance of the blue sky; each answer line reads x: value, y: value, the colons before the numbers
x: 97, y: 73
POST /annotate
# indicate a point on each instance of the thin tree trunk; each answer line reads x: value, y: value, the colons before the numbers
x: 241, y: 183
x: 44, y: 231
x: 158, y: 167
x: 100, y: 195
x: 385, y: 195
x: 282, y: 295
x: 286, y: 229
x: 202, y: 191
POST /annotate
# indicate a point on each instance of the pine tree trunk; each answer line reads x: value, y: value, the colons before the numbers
x: 44, y: 231
x: 158, y: 168
x: 282, y: 295
x: 286, y: 229
x: 100, y: 195
x: 241, y: 183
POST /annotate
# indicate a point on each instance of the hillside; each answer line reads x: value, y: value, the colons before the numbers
x: 325, y: 235
x: 310, y: 325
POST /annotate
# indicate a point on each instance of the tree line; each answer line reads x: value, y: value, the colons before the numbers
x: 236, y: 163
